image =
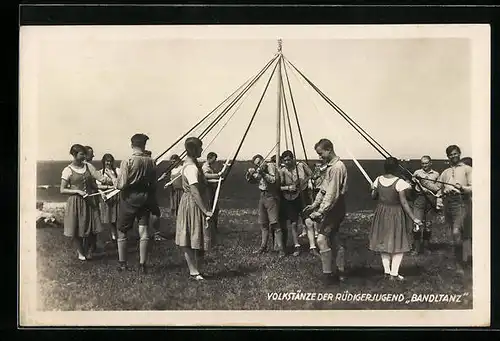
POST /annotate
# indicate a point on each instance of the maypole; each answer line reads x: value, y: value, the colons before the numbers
x: 278, y: 116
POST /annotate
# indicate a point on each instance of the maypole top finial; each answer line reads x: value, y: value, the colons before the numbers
x: 280, y: 42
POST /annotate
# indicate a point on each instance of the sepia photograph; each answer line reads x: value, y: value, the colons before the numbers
x: 246, y: 175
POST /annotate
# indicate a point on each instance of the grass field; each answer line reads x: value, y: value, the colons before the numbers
x: 239, y: 280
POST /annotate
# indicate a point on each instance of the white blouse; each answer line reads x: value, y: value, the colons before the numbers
x: 401, y: 185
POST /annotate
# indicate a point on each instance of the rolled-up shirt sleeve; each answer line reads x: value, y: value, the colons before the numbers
x: 66, y: 173
x: 191, y: 174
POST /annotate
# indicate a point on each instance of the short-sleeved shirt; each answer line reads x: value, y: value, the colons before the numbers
x: 66, y: 173
x: 427, y: 179
x: 190, y: 171
x: 82, y: 178
x: 401, y: 185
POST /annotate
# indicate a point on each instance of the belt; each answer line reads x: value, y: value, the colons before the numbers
x: 454, y: 194
x: 457, y: 195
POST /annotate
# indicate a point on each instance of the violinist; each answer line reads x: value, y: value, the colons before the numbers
x: 266, y: 175
x: 294, y: 179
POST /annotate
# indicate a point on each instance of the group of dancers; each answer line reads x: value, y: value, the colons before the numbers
x: 289, y: 192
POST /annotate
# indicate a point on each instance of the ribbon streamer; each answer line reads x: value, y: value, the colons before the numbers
x: 216, y: 198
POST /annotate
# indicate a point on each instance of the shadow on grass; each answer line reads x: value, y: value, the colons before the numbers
x: 164, y: 267
x: 369, y: 272
x: 241, y: 280
x: 240, y: 271
x: 439, y: 246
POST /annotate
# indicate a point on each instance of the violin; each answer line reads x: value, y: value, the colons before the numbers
x: 301, y: 185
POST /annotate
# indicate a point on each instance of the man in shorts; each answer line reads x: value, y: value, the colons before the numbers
x: 455, y: 194
x: 328, y: 209
x: 266, y: 175
x: 137, y: 182
x: 424, y: 203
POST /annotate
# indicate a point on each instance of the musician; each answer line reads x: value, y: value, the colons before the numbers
x: 294, y: 179
x: 425, y: 201
x: 329, y: 210
x: 317, y: 178
x: 266, y: 175
x: 456, y: 190
x: 315, y: 186
x: 137, y: 182
x: 212, y: 177
x: 283, y: 225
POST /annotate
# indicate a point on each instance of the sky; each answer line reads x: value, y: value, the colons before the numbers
x: 412, y: 95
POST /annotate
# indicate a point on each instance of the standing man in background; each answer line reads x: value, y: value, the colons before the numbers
x: 424, y: 203
x: 266, y: 175
x: 212, y: 177
x: 456, y: 196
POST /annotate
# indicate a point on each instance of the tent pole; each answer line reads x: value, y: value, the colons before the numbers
x: 278, y: 116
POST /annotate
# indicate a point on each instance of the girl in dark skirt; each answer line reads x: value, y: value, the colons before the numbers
x: 109, y: 208
x: 393, y: 219
x: 81, y: 217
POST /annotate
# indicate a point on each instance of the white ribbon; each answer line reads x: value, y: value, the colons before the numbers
x: 216, y: 198
x: 103, y: 192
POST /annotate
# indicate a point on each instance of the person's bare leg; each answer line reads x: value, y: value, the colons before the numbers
x: 295, y: 238
x: 309, y: 225
x: 395, y: 263
x: 78, y: 244
x: 265, y: 236
x: 190, y: 257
